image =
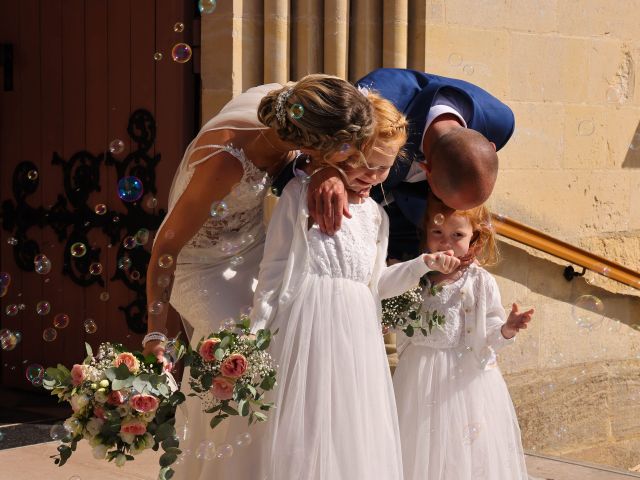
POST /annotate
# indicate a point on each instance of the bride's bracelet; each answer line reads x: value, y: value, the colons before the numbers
x: 153, y: 336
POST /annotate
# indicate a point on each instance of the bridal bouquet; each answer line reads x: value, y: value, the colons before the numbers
x: 406, y: 313
x: 123, y: 403
x: 231, y: 371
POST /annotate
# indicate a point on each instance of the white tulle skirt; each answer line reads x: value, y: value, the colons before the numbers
x: 457, y: 422
x: 336, y: 415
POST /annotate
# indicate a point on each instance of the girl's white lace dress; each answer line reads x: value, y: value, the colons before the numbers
x: 335, y: 416
x: 457, y: 421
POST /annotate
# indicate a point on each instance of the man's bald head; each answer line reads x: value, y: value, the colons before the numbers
x: 462, y: 168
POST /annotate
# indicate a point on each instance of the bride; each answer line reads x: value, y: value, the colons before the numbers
x: 206, y: 254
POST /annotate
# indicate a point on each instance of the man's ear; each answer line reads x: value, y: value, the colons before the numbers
x: 494, y: 146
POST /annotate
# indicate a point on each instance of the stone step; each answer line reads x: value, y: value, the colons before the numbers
x: 27, y: 463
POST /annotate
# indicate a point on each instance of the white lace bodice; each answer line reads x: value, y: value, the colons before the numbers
x: 240, y: 224
x: 351, y: 252
x: 447, y: 302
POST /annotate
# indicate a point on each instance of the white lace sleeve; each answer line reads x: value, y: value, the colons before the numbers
x: 495, y: 312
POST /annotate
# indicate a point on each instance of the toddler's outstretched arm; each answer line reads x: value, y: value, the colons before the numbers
x: 515, y: 321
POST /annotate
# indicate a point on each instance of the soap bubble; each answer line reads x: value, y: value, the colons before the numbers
x: 42, y: 266
x: 588, y: 311
x: 468, y: 69
x: 35, y: 373
x: 129, y: 242
x: 43, y: 307
x: 296, y: 111
x: 32, y: 175
x: 206, y: 450
x: 135, y: 275
x: 78, y: 250
x: 49, y: 334
x: 207, y: 6
x: 124, y: 263
x: 5, y: 279
x: 104, y: 296
x: 158, y: 56
x: 95, y: 268
x: 130, y: 189
x: 455, y: 59
x: 142, y: 236
x: 244, y: 439
x: 116, y: 146
x: 438, y: 219
x: 13, y: 241
x: 586, y: 128
x: 178, y: 27
x: 156, y: 308
x: 12, y: 310
x: 181, y: 53
x: 224, y: 451
x: 100, y: 209
x: 61, y: 320
x: 165, y: 260
x: 59, y: 432
x: 90, y: 326
x: 471, y: 433
x: 219, y: 210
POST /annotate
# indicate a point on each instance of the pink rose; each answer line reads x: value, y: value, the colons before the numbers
x: 99, y: 412
x: 116, y: 398
x: 222, y: 388
x: 234, y: 366
x: 78, y: 374
x: 208, y: 348
x: 144, y: 403
x: 132, y: 363
x: 134, y: 427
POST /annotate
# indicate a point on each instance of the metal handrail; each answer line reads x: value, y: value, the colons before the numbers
x: 531, y: 237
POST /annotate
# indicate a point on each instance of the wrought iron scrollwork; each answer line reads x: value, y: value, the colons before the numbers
x: 73, y: 219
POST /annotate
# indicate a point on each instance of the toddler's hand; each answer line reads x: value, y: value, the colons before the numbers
x: 516, y: 321
x: 443, y: 262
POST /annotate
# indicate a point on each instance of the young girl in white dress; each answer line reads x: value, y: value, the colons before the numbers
x: 457, y: 421
x: 335, y: 415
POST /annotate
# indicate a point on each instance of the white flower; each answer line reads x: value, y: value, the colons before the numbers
x: 121, y: 460
x: 94, y: 425
x: 101, y: 395
x: 100, y: 451
x: 127, y: 437
x: 78, y: 402
x: 92, y: 374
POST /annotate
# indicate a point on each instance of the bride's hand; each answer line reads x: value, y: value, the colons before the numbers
x: 328, y: 200
x: 155, y: 348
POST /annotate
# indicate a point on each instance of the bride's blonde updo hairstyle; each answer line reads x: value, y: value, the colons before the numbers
x: 321, y: 112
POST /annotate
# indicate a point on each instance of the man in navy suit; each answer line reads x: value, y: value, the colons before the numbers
x: 455, y: 129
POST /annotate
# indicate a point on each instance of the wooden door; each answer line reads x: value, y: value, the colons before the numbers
x: 89, y: 94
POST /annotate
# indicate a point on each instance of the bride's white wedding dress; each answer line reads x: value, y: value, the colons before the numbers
x: 215, y: 276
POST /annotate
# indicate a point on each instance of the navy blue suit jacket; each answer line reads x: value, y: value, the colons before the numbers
x: 413, y: 93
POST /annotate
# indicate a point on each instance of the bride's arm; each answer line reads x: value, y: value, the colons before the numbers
x: 212, y: 180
